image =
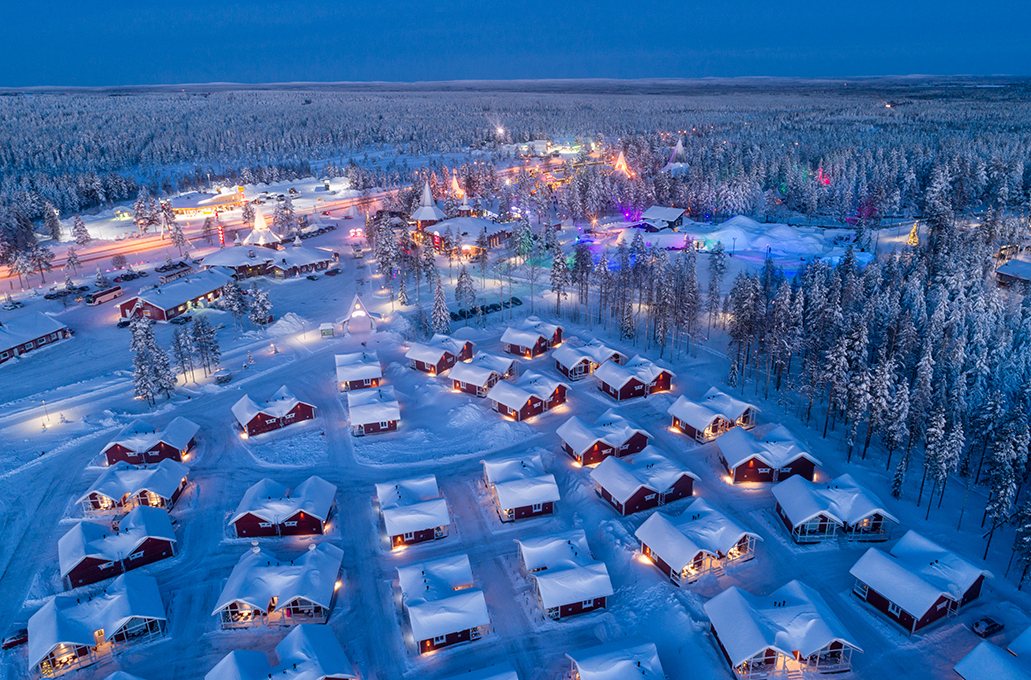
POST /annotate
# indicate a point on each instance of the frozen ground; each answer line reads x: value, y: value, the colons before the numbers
x: 86, y: 386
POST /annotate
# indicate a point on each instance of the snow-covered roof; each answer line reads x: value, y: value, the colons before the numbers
x: 520, y: 481
x: 473, y: 226
x: 308, y: 652
x: 238, y: 256
x: 724, y: 403
x: 617, y: 375
x: 122, y: 675
x: 428, y: 210
x: 1021, y: 645
x: 70, y: 619
x: 611, y: 428
x: 270, y: 500
x: 358, y: 309
x: 662, y: 213
x: 521, y: 337
x: 555, y: 551
x: 412, y: 505
x: 650, y: 469
x: 701, y: 528
x: 569, y: 355
x: 299, y: 256
x: 374, y: 405
x: 440, y: 597
x: 358, y: 366
x: 425, y: 353
x: 122, y: 479
x: 500, y: 672
x: 988, y: 662
x: 260, y: 235
x: 281, y: 403
x: 26, y: 328
x: 841, y: 500
x: 777, y: 447
x: 1018, y: 268
x: 529, y: 384
x: 99, y: 541
x: 576, y: 583
x: 793, y: 618
x: 698, y: 416
x: 140, y: 435
x: 181, y: 291
x: 201, y: 199
x: 507, y: 468
x: 260, y: 576
x: 637, y: 659
x: 479, y: 370
x: 548, y: 330
x: 916, y: 573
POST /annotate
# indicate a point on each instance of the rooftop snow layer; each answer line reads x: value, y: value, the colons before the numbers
x: 412, y: 505
x: 617, y: 375
x: 238, y: 256
x: 522, y: 338
x: 650, y: 469
x: 842, y: 500
x: 724, y: 403
x: 701, y: 528
x: 440, y: 598
x: 358, y: 366
x: 139, y: 436
x: 611, y: 428
x: 988, y: 662
x: 261, y: 577
x: 777, y: 448
x: 662, y: 213
x: 375, y: 405
x: 569, y: 355
x: 270, y: 501
x: 573, y: 584
x: 122, y: 480
x: 181, y: 291
x: 555, y: 551
x: 281, y: 403
x: 308, y: 652
x: 25, y: 329
x: 638, y: 659
x: 698, y: 416
x: 97, y: 541
x: 793, y: 618
x: 529, y: 384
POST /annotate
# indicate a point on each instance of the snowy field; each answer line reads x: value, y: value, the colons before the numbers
x: 62, y: 404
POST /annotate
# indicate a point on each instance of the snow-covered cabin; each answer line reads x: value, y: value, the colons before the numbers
x: 815, y: 512
x: 29, y: 332
x: 173, y: 299
x: 649, y: 481
x: 438, y: 354
x: 740, y: 412
x: 698, y: 421
x: 917, y: 582
x: 122, y: 487
x: 242, y: 261
x: 611, y: 435
x: 663, y: 218
x: 531, y: 394
x: 297, y: 260
x: 373, y: 410
x: 481, y: 374
x: 92, y: 552
x: 569, y: 580
x: 1017, y: 270
x: 533, y: 338
x: 636, y: 659
x: 267, y: 590
x: 700, y: 541
x: 791, y: 629
x: 990, y: 662
x: 502, y: 671
x: 358, y: 318
x: 268, y: 509
x: 261, y: 235
x: 442, y: 605
x: 413, y: 510
x: 358, y: 370
x: 203, y: 203
x: 427, y: 214
x: 140, y: 443
x: 497, y: 233
x: 770, y: 455
x: 281, y: 410
x: 576, y: 363
x: 639, y: 377
x: 308, y: 652
x: 71, y: 631
x: 520, y: 487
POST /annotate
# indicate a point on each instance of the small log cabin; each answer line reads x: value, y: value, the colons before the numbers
x: 442, y: 606
x: 531, y: 395
x: 639, y: 660
x: 814, y: 512
x: 307, y: 652
x: 761, y: 637
x: 917, y: 582
x: 772, y: 456
x: 577, y: 363
x: 140, y: 443
x: 267, y: 509
x: 568, y: 580
x: 91, y: 552
x: 529, y: 344
x: 358, y: 370
x: 281, y: 410
x: 29, y: 332
x: 373, y: 411
x: 439, y: 354
x: 481, y: 373
x: 166, y: 302
x: 413, y: 511
x: 611, y: 435
x: 698, y: 421
x: 519, y: 487
x: 637, y: 378
x: 699, y: 542
x: 122, y: 487
x: 649, y: 481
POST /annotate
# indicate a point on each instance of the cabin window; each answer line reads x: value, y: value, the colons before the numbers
x: 440, y: 639
x: 136, y: 555
x: 264, y: 525
x: 42, y: 340
x: 383, y: 424
x: 587, y: 604
x: 650, y: 497
x: 28, y: 345
x: 107, y: 565
x: 409, y: 535
x: 367, y: 382
x: 537, y: 507
x: 894, y: 609
x: 764, y: 471
x: 3, y: 355
x: 53, y: 336
x: 290, y: 524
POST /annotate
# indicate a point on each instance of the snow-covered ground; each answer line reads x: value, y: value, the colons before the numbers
x: 81, y: 390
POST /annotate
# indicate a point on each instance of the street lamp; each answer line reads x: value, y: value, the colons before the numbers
x: 45, y: 410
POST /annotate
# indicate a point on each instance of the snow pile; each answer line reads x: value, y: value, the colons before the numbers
x: 288, y: 324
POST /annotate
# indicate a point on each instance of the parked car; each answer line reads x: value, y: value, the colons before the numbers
x: 516, y: 301
x: 141, y: 275
x: 986, y: 627
x: 332, y: 272
x: 494, y: 307
x: 312, y: 277
x: 454, y: 316
x: 181, y: 320
x: 326, y: 213
x: 506, y: 303
x: 124, y: 323
x: 17, y: 634
x: 223, y: 375
x: 51, y: 296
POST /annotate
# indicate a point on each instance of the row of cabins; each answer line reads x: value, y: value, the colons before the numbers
x: 140, y: 443
x: 29, y: 332
x: 165, y: 302
x: 269, y: 508
x: 245, y: 261
x: 283, y: 409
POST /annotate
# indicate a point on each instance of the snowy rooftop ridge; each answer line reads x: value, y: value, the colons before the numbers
x: 440, y: 597
x: 24, y: 329
x: 67, y: 619
x: 989, y: 662
x: 270, y: 501
x: 642, y: 369
x: 181, y: 291
x: 777, y: 447
x: 563, y: 568
x: 308, y: 652
x: 793, y: 618
x: 916, y: 573
x: 281, y: 403
x: 699, y: 416
x: 358, y: 366
x: 374, y: 405
x: 611, y: 428
x: 428, y: 210
x: 636, y: 659
x: 412, y: 505
x: 842, y: 500
x: 520, y: 481
x: 516, y: 395
x: 571, y: 353
x: 139, y: 436
x: 650, y: 469
x: 561, y: 550
x: 433, y: 350
x: 724, y: 403
x: 97, y: 541
x: 701, y: 528
x: 261, y: 577
x: 121, y: 480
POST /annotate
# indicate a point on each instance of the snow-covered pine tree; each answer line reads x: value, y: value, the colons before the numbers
x: 152, y: 372
x: 934, y: 452
x: 440, y: 317
x: 482, y: 257
x: 175, y: 230
x: 205, y: 341
x: 1022, y: 542
x: 51, y: 223
x: 402, y: 293
x: 41, y: 258
x: 717, y: 270
x: 79, y: 231
x: 71, y: 260
x: 142, y: 212
x: 626, y: 321
x: 183, y: 351
x: 247, y: 214
x: 465, y: 291
x: 559, y: 277
x: 896, y: 430
x: 233, y: 302
x: 259, y: 307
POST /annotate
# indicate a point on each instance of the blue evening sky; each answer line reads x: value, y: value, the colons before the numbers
x: 122, y: 42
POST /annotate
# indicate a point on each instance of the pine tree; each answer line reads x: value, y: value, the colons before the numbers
x: 934, y: 452
x: 207, y: 231
x: 626, y: 322
x: 247, y: 214
x: 465, y: 291
x: 41, y: 258
x: 259, y: 306
x: 482, y: 257
x: 440, y: 317
x: 233, y: 302
x: 183, y: 351
x: 152, y: 372
x: 51, y: 223
x: 899, y: 478
x: 142, y: 211
x: 176, y: 233
x: 205, y: 341
x: 1022, y: 542
x: 897, y: 430
x: 79, y: 231
x: 402, y: 293
x: 71, y: 260
x: 717, y: 270
x: 559, y: 278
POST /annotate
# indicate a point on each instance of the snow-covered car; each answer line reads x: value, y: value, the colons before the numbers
x: 17, y: 634
x: 223, y: 375
x: 986, y: 626
x: 124, y: 323
x: 516, y: 301
x: 332, y: 272
x: 181, y: 320
x: 312, y: 277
